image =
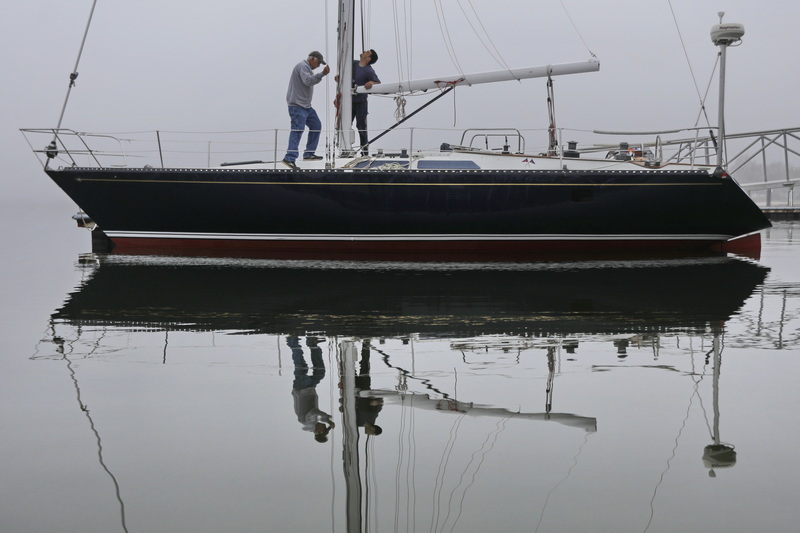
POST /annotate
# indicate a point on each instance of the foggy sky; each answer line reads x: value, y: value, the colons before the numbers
x: 185, y: 65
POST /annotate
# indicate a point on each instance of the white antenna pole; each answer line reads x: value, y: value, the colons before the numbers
x: 724, y: 35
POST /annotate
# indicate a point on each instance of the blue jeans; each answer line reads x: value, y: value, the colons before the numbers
x: 302, y: 118
x: 301, y: 378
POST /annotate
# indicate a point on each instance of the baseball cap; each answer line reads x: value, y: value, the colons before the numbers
x: 318, y: 56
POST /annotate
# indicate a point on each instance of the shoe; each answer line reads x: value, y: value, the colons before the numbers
x: 290, y: 164
x: 312, y: 157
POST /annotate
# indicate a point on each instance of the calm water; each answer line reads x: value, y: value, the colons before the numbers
x: 152, y: 395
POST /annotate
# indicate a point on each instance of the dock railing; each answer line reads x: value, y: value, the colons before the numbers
x: 767, y: 165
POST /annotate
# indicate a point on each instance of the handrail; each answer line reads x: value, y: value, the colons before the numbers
x: 514, y: 133
x: 60, y: 134
x: 765, y: 163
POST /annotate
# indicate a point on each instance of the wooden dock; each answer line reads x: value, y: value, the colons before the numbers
x: 780, y: 214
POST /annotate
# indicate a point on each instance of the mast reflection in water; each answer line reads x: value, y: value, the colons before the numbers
x: 433, y: 379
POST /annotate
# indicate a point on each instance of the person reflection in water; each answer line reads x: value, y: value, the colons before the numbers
x: 367, y: 407
x: 304, y: 388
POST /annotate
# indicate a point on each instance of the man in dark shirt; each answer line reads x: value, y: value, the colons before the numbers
x: 363, y: 74
x: 367, y: 407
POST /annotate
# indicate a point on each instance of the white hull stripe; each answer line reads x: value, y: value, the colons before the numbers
x: 411, y: 237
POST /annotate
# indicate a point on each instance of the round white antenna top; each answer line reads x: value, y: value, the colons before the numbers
x: 726, y: 33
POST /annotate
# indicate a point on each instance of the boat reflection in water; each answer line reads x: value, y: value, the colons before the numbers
x: 383, y: 327
x: 385, y: 299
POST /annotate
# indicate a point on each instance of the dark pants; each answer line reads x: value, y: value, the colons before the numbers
x: 360, y: 115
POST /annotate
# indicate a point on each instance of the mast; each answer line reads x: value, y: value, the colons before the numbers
x: 352, y: 469
x: 344, y: 85
x: 724, y: 35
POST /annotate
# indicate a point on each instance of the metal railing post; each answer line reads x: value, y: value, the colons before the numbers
x: 275, y: 151
x: 764, y: 169
x: 160, y: 154
x: 790, y: 193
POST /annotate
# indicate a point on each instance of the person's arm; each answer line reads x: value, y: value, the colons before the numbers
x: 308, y: 77
x: 374, y: 80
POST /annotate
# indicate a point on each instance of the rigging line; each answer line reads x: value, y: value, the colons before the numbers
x: 569, y: 473
x: 409, y: 38
x: 400, y: 460
x: 369, y: 18
x: 74, y: 75
x: 455, y: 106
x: 51, y: 327
x: 481, y: 454
x: 703, y: 111
x: 669, y: 461
x: 410, y: 465
x: 411, y: 483
x: 685, y: 53
x: 440, y: 473
x: 446, y: 35
x: 408, y: 374
x: 405, y: 118
x: 697, y: 393
x: 398, y: 467
x: 85, y: 409
x: 569, y: 17
x: 498, y: 58
x: 399, y: 464
x: 397, y: 40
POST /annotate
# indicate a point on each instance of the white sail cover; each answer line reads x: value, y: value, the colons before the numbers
x: 592, y: 65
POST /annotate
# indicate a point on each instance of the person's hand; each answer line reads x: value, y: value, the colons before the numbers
x: 326, y: 70
x: 368, y: 85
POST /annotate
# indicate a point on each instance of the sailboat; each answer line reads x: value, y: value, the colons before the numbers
x: 456, y: 202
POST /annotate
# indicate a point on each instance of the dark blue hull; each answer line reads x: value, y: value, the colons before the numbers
x: 414, y: 213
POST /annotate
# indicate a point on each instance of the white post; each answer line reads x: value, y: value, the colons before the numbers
x: 724, y: 35
x: 723, y: 48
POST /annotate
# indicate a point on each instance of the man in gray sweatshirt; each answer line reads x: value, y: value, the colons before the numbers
x: 298, y: 97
